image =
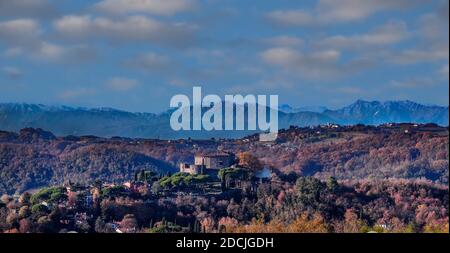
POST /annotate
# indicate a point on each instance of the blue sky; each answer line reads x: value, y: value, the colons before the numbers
x: 136, y: 54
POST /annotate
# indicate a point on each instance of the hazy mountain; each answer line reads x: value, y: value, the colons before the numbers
x: 288, y: 109
x: 108, y: 122
x: 375, y: 113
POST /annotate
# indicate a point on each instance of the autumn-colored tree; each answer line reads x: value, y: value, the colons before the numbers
x: 24, y: 225
x: 12, y: 231
x: 24, y: 212
x: 129, y: 224
x: 207, y: 224
x: 352, y: 224
x: 24, y: 199
x: 96, y: 196
x: 72, y: 198
x: 258, y: 226
x: 12, y: 220
x: 304, y: 224
x: 45, y: 225
x: 5, y: 199
x: 437, y: 226
x: 249, y: 161
x: 227, y: 224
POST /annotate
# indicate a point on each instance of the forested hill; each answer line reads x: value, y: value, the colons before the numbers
x: 34, y: 158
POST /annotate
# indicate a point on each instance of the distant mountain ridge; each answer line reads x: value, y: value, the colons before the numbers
x: 289, y: 109
x: 108, y: 122
x: 375, y: 113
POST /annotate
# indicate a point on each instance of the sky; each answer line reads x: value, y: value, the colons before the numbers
x: 135, y: 55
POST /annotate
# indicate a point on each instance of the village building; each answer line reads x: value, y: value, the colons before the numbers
x: 209, y: 163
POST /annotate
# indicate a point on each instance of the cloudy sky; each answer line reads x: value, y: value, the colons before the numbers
x: 136, y: 54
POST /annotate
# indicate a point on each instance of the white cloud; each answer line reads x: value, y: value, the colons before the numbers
x: 288, y: 57
x: 19, y: 31
x: 26, y: 8
x: 434, y: 26
x: 150, y: 62
x: 76, y: 93
x: 12, y: 72
x: 390, y: 33
x: 281, y: 56
x: 73, y: 25
x: 121, y: 84
x: 159, y: 7
x: 62, y: 54
x: 315, y: 65
x: 331, y: 12
x: 285, y: 41
x: 132, y: 29
x: 429, y: 53
x: 326, y: 56
x: 415, y: 82
x: 48, y: 51
x: 25, y: 37
x: 444, y: 71
x: 292, y: 17
x: 14, y: 51
x: 354, y: 10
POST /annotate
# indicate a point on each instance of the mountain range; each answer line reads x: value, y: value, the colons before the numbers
x: 289, y: 109
x: 108, y: 122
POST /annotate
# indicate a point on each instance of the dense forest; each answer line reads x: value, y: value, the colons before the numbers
x: 34, y: 158
x: 327, y: 179
x: 290, y: 204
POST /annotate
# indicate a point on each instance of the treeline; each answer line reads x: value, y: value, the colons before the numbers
x: 35, y: 158
x: 359, y: 155
x: 302, y: 204
x: 28, y: 166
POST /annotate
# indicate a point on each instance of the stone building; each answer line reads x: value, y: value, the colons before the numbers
x: 209, y: 163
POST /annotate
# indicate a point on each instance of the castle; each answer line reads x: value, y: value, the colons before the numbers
x: 209, y: 163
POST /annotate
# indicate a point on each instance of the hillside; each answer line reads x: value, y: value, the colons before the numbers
x: 34, y: 158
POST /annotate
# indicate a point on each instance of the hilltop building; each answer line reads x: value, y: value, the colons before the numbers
x: 209, y: 163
